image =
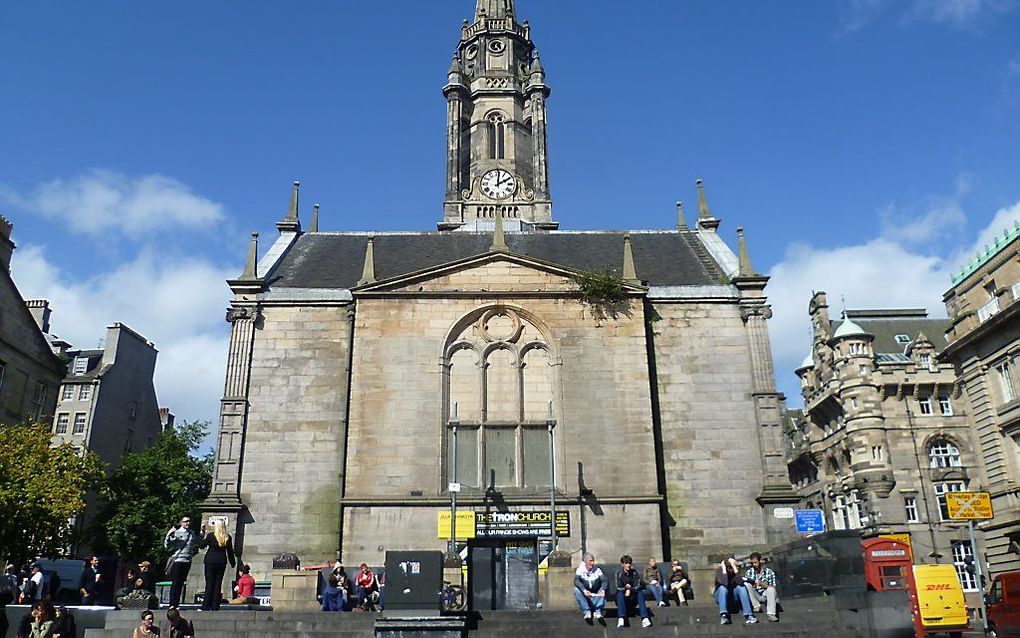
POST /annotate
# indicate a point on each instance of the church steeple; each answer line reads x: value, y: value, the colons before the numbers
x: 494, y: 9
x: 496, y: 124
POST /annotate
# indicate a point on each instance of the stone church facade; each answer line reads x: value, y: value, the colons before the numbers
x: 356, y: 356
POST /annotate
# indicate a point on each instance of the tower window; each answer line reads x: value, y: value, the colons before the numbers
x: 497, y: 136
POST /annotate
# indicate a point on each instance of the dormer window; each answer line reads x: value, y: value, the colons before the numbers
x: 81, y: 365
x: 902, y: 339
x: 925, y: 360
x: 855, y: 348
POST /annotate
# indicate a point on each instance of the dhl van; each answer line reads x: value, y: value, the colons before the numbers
x: 941, y: 608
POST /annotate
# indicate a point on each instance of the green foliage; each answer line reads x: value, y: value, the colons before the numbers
x: 41, y: 488
x: 604, y: 293
x: 152, y: 490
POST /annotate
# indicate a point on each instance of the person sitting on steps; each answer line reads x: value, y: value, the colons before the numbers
x: 760, y: 582
x: 629, y: 592
x: 729, y: 585
x: 590, y: 589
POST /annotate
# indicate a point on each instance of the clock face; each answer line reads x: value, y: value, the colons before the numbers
x: 498, y: 184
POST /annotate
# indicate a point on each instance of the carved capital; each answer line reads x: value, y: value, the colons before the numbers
x: 241, y: 313
x: 763, y: 311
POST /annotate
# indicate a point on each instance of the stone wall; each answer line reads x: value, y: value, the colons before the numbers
x: 711, y: 449
x: 293, y: 443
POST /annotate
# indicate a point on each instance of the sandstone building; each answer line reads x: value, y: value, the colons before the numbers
x: 984, y: 345
x: 362, y: 363
x: 885, y: 432
x: 30, y: 372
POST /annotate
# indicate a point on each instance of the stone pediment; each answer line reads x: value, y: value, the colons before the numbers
x: 494, y: 272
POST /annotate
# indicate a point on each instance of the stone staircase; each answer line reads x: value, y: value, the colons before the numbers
x: 800, y: 619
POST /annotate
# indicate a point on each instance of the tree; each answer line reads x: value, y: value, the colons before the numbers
x: 150, y: 491
x: 42, y: 488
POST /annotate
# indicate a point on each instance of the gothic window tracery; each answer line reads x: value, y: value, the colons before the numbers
x: 497, y: 136
x: 501, y: 376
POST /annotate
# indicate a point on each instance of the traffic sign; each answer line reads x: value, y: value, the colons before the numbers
x: 809, y: 521
x: 969, y: 506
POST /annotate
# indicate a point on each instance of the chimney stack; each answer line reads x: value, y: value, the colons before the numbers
x: 6, y: 245
x: 40, y: 309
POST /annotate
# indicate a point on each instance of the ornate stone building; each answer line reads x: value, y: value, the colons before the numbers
x: 884, y: 432
x: 984, y: 345
x: 362, y: 363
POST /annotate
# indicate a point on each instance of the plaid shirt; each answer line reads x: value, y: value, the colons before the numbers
x: 766, y: 575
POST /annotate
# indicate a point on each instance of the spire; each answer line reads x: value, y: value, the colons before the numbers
x: 314, y: 228
x: 629, y: 272
x: 705, y: 217
x: 745, y: 269
x: 291, y: 222
x: 494, y: 9
x: 681, y: 221
x: 368, y: 272
x: 498, y: 238
x: 250, y: 267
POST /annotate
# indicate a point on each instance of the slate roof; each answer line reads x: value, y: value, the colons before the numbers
x: 886, y: 324
x: 335, y: 260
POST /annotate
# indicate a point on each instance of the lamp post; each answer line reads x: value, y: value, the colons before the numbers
x: 550, y: 423
x: 454, y: 486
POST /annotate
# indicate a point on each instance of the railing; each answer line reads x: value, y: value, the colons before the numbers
x: 986, y: 311
x: 495, y: 24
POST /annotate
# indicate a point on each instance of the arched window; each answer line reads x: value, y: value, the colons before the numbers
x: 500, y: 380
x: 497, y: 136
x: 942, y: 453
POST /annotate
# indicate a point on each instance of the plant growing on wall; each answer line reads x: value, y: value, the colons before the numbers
x: 603, y: 293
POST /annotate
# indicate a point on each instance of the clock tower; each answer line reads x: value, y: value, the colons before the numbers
x: 496, y: 162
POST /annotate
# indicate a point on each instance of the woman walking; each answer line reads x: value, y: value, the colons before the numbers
x: 221, y: 550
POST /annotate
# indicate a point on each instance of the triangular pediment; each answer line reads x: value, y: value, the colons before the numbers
x: 487, y: 273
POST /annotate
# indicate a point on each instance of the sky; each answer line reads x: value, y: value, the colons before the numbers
x: 868, y: 147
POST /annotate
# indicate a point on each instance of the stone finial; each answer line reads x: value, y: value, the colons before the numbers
x: 536, y: 63
x: 455, y: 65
x: 251, y: 265
x: 290, y: 221
x: 368, y: 272
x: 314, y: 228
x: 681, y: 221
x: 629, y: 271
x: 705, y: 218
x: 745, y: 268
x: 498, y: 238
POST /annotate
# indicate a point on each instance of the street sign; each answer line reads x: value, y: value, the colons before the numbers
x: 969, y: 506
x: 809, y: 521
x: 465, y: 525
x: 783, y: 512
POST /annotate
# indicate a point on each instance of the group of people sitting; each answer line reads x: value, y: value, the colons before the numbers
x: 748, y: 588
x: 362, y: 593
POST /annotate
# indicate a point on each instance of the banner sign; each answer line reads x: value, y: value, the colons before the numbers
x: 520, y: 523
x: 465, y: 525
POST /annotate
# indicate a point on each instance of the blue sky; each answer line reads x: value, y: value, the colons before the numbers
x: 868, y: 146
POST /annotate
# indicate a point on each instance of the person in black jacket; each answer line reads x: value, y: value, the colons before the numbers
x: 629, y: 593
x: 64, y: 625
x: 88, y: 584
x: 221, y: 550
x: 729, y: 586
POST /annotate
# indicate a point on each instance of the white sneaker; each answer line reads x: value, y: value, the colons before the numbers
x: 750, y: 620
x: 587, y: 615
x: 619, y: 623
x: 598, y: 615
x: 662, y: 603
x: 646, y: 622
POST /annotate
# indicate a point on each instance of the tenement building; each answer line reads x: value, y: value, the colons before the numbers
x: 984, y: 345
x: 30, y: 372
x: 884, y: 432
x: 622, y: 379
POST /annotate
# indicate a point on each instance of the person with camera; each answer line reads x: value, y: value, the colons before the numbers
x: 221, y: 550
x: 182, y: 541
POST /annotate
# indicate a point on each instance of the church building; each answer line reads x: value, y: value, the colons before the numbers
x: 622, y: 379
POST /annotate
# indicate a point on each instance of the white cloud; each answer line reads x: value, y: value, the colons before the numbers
x: 101, y: 203
x: 959, y: 14
x: 885, y: 272
x: 177, y: 303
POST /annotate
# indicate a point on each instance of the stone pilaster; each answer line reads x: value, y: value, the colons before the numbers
x: 768, y: 404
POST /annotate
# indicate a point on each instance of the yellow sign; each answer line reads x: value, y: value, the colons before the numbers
x: 903, y: 538
x: 969, y: 506
x: 465, y: 525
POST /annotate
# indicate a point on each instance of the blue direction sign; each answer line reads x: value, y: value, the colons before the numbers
x: 809, y: 521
